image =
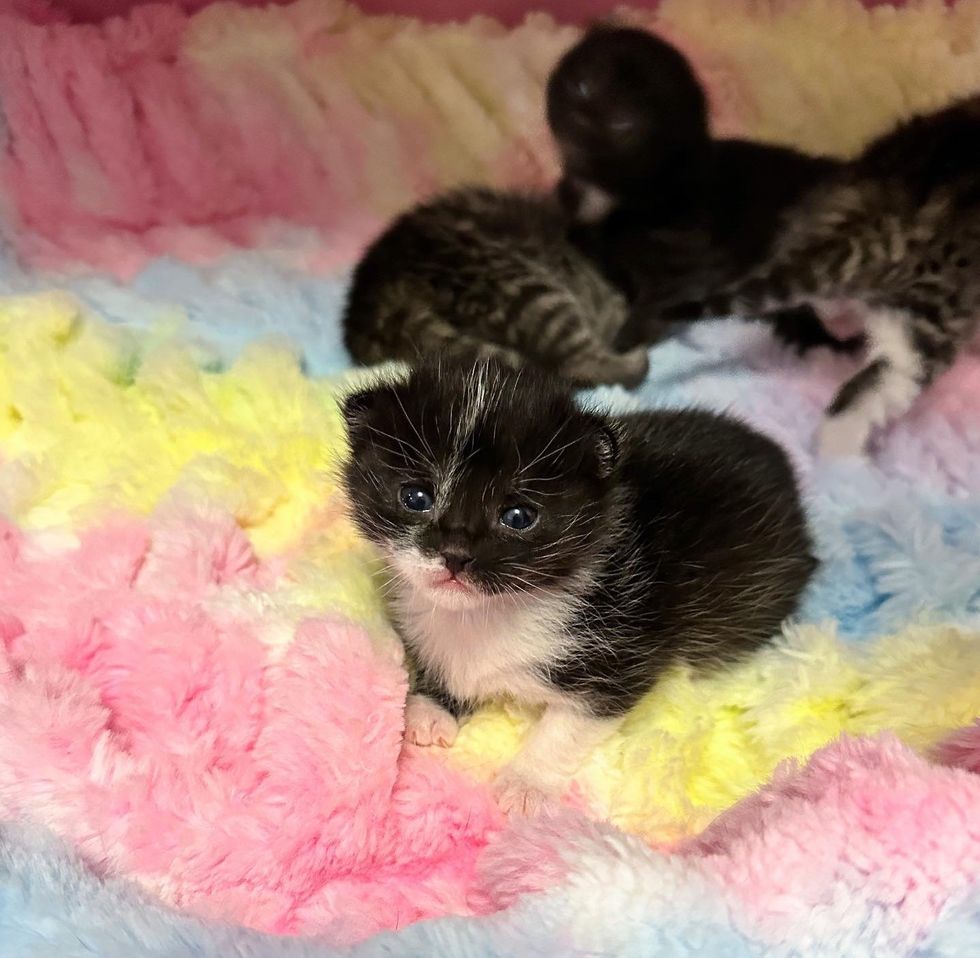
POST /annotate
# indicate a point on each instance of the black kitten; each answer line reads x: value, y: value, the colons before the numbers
x: 563, y: 556
x: 669, y: 212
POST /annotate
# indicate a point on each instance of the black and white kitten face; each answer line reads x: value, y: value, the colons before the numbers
x: 475, y: 491
x: 623, y: 106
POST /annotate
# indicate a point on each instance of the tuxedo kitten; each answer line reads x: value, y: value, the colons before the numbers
x: 562, y: 556
x: 898, y: 231
x: 668, y: 211
x: 483, y: 274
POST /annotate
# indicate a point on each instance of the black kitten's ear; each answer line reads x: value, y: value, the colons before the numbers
x: 608, y: 449
x: 607, y: 24
x: 357, y: 405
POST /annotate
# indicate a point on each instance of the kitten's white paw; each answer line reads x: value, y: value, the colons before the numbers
x: 842, y: 437
x: 428, y: 723
x: 517, y: 794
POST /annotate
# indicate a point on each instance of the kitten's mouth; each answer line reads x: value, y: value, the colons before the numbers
x: 447, y: 582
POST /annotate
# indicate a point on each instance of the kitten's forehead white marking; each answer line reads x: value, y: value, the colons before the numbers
x: 474, y: 399
x: 476, y: 395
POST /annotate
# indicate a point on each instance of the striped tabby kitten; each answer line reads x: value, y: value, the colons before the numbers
x: 484, y: 274
x: 898, y: 231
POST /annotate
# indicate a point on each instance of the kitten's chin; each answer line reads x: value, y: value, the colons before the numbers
x: 453, y: 594
x: 449, y: 592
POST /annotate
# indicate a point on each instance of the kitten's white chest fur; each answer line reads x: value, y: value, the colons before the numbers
x: 481, y: 647
x: 494, y: 649
x: 500, y: 647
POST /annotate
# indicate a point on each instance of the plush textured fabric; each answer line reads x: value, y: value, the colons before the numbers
x: 198, y: 689
x: 866, y: 851
x: 172, y: 132
x: 197, y: 717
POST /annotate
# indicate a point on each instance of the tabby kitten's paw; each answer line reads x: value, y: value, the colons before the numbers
x: 428, y: 723
x: 842, y: 437
x: 636, y: 365
x: 605, y: 368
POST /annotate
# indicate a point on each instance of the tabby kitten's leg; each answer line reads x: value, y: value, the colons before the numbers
x: 568, y: 339
x: 430, y: 334
x: 587, y: 361
x: 906, y: 353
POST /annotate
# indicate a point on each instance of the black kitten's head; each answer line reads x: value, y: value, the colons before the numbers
x: 625, y: 106
x: 479, y: 482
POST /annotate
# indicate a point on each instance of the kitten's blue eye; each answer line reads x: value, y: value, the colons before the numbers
x: 518, y: 517
x: 416, y: 498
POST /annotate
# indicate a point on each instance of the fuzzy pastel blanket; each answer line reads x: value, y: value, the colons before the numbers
x: 200, y: 698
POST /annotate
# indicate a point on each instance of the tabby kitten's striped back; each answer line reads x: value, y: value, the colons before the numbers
x: 482, y: 274
x: 897, y: 230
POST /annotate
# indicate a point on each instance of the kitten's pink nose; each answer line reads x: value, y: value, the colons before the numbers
x: 456, y: 561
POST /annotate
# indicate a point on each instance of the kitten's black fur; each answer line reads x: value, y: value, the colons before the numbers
x: 661, y: 537
x: 686, y: 212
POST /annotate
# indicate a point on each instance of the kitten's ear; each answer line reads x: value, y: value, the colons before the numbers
x: 608, y: 23
x: 608, y: 449
x: 357, y: 405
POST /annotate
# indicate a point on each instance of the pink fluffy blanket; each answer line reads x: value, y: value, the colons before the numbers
x: 144, y: 717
